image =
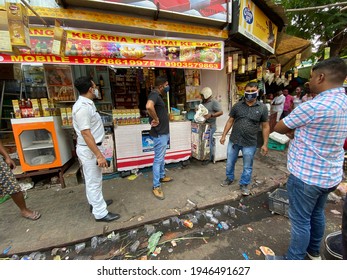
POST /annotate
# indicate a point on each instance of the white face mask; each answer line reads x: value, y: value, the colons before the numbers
x: 96, y: 92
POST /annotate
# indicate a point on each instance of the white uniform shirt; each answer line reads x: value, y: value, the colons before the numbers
x: 278, y: 99
x: 85, y: 116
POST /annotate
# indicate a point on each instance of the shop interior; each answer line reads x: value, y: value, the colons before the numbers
x: 120, y: 88
x: 47, y: 90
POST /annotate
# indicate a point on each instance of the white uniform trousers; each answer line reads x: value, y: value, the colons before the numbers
x: 93, y: 180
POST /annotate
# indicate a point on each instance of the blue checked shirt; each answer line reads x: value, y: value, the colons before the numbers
x: 316, y: 153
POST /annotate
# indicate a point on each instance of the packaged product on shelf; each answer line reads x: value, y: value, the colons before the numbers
x: 129, y: 116
x: 114, y: 116
x: 45, y: 107
x: 36, y: 108
x: 138, y: 116
x: 29, y: 107
x: 63, y: 115
x: 69, y: 116
x: 16, y: 109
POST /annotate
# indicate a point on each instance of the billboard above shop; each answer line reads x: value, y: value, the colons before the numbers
x: 256, y: 26
x: 120, y: 50
x: 216, y: 10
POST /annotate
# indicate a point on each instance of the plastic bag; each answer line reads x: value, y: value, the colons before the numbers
x: 200, y: 113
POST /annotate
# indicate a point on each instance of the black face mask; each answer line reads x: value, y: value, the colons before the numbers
x: 250, y: 96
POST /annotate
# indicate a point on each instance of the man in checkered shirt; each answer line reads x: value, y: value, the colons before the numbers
x: 315, y: 156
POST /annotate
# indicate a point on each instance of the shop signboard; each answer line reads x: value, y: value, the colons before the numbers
x: 93, y: 48
x: 216, y: 10
x: 256, y: 26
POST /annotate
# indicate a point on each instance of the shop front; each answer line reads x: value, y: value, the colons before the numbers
x: 124, y: 62
x: 124, y: 68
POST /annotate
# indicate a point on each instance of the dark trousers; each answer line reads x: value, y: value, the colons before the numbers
x: 284, y: 114
x: 344, y: 230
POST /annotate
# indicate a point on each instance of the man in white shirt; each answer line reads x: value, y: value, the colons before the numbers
x: 90, y: 134
x: 278, y: 104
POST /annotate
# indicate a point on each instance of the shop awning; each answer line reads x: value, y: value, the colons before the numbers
x: 287, y: 49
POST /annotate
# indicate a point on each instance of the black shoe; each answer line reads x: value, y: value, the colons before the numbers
x: 108, y: 203
x: 226, y: 182
x: 205, y: 162
x: 333, y: 244
x: 244, y: 190
x: 109, y: 217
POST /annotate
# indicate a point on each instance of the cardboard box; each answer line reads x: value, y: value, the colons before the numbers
x: 200, y: 141
x: 18, y: 24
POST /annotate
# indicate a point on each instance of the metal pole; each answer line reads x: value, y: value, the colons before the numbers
x: 36, y: 14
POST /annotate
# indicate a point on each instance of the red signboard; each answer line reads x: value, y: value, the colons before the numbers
x: 121, y: 62
x: 208, y: 9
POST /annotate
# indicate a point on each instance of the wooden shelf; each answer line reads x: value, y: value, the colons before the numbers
x: 125, y: 89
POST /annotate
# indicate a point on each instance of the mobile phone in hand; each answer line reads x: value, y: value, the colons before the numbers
x: 108, y: 163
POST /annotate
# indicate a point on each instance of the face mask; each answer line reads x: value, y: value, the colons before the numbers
x: 96, y: 92
x: 166, y: 89
x: 250, y: 96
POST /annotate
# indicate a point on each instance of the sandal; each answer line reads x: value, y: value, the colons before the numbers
x: 34, y: 216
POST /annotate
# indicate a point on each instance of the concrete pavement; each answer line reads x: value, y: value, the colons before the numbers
x: 65, y: 212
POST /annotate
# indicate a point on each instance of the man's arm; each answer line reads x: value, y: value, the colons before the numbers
x: 280, y: 127
x: 151, y: 111
x: 227, y: 127
x: 265, y: 127
x: 214, y: 115
x: 90, y: 141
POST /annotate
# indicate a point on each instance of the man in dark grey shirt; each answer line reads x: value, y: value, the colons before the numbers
x: 214, y: 111
x: 245, y: 118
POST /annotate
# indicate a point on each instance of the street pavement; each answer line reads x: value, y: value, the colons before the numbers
x: 66, y: 219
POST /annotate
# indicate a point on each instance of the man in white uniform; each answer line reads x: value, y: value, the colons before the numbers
x: 278, y: 104
x: 90, y: 134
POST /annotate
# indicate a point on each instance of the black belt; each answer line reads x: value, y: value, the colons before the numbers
x: 98, y: 144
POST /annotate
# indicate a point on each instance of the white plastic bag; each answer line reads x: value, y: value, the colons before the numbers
x: 200, y: 113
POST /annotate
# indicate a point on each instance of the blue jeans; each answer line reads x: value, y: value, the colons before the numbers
x: 160, y: 145
x: 232, y: 155
x: 306, y: 214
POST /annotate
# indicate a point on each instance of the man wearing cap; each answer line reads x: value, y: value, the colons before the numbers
x: 245, y: 118
x: 214, y: 111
